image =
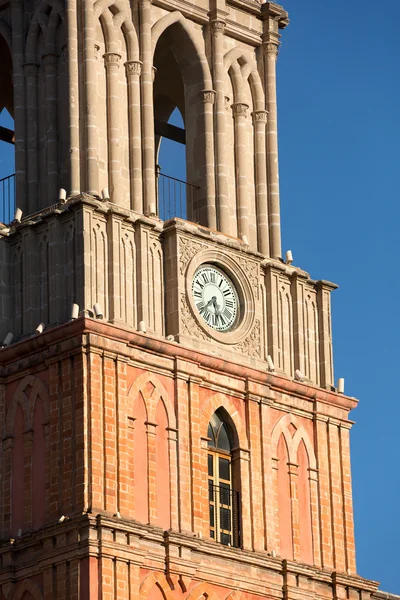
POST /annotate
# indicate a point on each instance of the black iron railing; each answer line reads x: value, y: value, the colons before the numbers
x: 174, y: 198
x: 224, y: 514
x: 7, y: 199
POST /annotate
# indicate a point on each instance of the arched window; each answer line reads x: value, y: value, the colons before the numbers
x: 223, y: 497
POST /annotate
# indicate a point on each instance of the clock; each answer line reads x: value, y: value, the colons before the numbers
x: 215, y: 298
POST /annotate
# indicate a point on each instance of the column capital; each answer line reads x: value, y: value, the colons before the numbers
x: 49, y: 60
x: 133, y: 67
x: 217, y: 25
x: 208, y: 96
x: 111, y: 59
x: 259, y: 116
x: 31, y: 69
x: 240, y: 109
x: 271, y: 45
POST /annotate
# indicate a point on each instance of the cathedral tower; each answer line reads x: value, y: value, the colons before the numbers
x: 170, y: 423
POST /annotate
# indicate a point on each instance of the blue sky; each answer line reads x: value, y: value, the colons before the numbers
x: 339, y: 126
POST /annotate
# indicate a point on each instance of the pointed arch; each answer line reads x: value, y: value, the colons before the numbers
x: 249, y: 72
x: 27, y: 586
x: 214, y: 403
x: 153, y: 579
x: 47, y: 23
x: 292, y: 441
x: 201, y: 591
x: 5, y: 32
x: 177, y: 18
x: 236, y: 595
x: 151, y: 397
x: 115, y: 16
x: 38, y: 389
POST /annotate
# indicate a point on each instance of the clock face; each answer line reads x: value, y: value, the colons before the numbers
x: 215, y: 298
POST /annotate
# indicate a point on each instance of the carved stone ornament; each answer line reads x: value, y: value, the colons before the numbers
x: 111, y: 59
x: 30, y: 69
x: 189, y: 325
x: 218, y: 26
x: 208, y: 96
x: 240, y: 109
x: 271, y: 48
x: 251, y: 345
x: 49, y: 60
x: 260, y: 116
x: 133, y: 67
x: 252, y: 271
x: 187, y: 249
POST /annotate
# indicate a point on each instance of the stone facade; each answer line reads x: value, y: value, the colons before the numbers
x: 105, y: 453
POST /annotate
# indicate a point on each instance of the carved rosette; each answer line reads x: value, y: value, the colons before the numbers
x: 111, y: 60
x: 239, y: 109
x: 133, y: 68
x: 208, y: 96
x: 251, y: 345
x: 187, y: 249
x: 260, y: 116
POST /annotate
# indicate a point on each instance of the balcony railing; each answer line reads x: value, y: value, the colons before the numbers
x: 224, y: 514
x: 7, y: 199
x: 174, y: 198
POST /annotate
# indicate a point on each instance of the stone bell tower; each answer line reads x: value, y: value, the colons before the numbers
x: 170, y: 422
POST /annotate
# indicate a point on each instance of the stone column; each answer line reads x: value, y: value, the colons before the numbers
x: 260, y: 164
x: 149, y: 181
x: 223, y: 220
x: 350, y: 551
x: 111, y: 63
x: 173, y: 476
x: 17, y: 11
x: 133, y: 71
x: 50, y: 69
x: 316, y: 538
x: 73, y: 98
x: 275, y: 18
x: 92, y: 167
x: 208, y: 103
x: 294, y: 502
x: 239, y: 110
x: 152, y: 470
x: 31, y: 72
x: 324, y: 289
x: 271, y: 53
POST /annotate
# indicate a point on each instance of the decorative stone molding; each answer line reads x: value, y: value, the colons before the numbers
x: 239, y: 109
x: 189, y: 325
x: 252, y: 271
x: 260, y: 116
x: 153, y: 73
x: 111, y: 59
x: 133, y: 67
x: 208, y: 96
x: 187, y: 249
x: 251, y: 345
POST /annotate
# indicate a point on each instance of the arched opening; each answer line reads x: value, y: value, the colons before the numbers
x: 223, y: 495
x: 179, y: 125
x: 7, y: 153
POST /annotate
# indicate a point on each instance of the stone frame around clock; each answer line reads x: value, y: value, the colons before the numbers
x: 244, y: 291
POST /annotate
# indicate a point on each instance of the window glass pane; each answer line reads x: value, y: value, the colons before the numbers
x: 210, y: 465
x: 225, y: 539
x: 225, y: 494
x: 223, y: 439
x: 212, y: 534
x: 212, y: 516
x: 225, y: 519
x: 210, y: 491
x: 210, y: 434
x: 224, y: 468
